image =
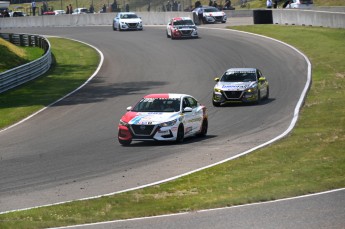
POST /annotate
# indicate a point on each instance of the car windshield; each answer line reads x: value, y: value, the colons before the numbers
x: 211, y: 10
x: 83, y: 10
x: 245, y: 76
x: 184, y: 22
x: 129, y: 16
x: 157, y: 105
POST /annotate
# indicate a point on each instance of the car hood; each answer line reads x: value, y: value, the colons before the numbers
x: 187, y: 27
x: 148, y: 118
x: 131, y: 20
x: 235, y: 86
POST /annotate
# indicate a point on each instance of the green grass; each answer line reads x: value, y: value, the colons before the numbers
x: 13, y: 56
x: 69, y: 71
x: 310, y: 160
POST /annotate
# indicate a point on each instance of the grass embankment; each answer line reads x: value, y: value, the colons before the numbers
x: 69, y: 71
x: 13, y: 56
x: 310, y: 160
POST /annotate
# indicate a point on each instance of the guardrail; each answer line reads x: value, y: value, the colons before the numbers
x: 24, y: 73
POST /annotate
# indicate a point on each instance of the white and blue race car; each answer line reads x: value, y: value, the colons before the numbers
x: 240, y: 85
x: 163, y: 117
x: 127, y: 21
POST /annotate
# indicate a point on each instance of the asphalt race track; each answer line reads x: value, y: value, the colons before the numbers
x: 70, y: 150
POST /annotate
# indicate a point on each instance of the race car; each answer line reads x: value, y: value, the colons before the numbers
x: 181, y: 27
x: 163, y: 117
x: 211, y: 14
x: 127, y: 21
x: 240, y: 85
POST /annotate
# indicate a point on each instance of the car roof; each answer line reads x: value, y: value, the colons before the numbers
x: 181, y: 18
x: 166, y: 95
x: 127, y: 13
x: 241, y: 70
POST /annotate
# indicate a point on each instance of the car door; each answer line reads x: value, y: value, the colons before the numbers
x: 197, y: 114
x: 188, y: 117
x: 169, y: 27
x: 116, y: 21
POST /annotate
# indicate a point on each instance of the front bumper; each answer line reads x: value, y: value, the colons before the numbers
x: 147, y: 133
x: 186, y: 33
x: 234, y: 96
x: 214, y: 19
x: 131, y: 26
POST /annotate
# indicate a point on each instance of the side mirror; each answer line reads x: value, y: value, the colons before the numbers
x: 188, y: 109
x: 262, y: 79
x: 129, y: 108
x: 216, y: 79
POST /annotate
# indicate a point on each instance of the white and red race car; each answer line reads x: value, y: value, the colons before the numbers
x: 181, y: 27
x: 163, y: 117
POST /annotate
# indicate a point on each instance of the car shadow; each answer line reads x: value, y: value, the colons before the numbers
x: 240, y: 104
x: 186, y: 141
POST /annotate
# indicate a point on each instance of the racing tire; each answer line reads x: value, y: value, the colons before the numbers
x: 180, y: 134
x: 114, y: 28
x: 259, y: 98
x: 119, y: 28
x: 216, y: 104
x: 125, y: 142
x: 268, y: 93
x: 204, y: 128
x: 168, y: 35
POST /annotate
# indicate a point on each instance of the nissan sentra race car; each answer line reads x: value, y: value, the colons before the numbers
x: 127, y: 21
x: 211, y: 14
x: 181, y: 27
x: 240, y: 85
x: 163, y: 117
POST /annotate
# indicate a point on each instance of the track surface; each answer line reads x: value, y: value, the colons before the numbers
x: 70, y: 150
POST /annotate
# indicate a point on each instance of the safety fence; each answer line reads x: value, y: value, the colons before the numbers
x: 24, y: 73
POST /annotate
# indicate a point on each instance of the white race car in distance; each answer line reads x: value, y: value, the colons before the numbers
x: 246, y: 85
x: 127, y: 21
x: 163, y: 117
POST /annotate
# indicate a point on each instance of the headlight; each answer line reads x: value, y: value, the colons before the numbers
x: 123, y: 123
x: 170, y: 123
x: 217, y: 90
x: 251, y: 90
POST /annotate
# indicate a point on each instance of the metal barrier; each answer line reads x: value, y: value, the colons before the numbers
x: 24, y: 73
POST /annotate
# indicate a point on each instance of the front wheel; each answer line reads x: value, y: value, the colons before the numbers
x: 204, y: 128
x: 216, y: 104
x: 125, y: 142
x: 180, y: 134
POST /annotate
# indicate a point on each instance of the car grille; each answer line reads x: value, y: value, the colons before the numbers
x: 186, y: 32
x: 142, y: 130
x: 233, y: 94
x: 218, y: 18
x: 132, y: 25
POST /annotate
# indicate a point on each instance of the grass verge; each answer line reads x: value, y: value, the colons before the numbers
x: 310, y: 160
x: 69, y: 70
x: 13, y: 56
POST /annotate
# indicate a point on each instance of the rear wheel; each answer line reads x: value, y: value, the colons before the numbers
x: 180, y: 134
x: 204, y: 128
x: 125, y: 142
